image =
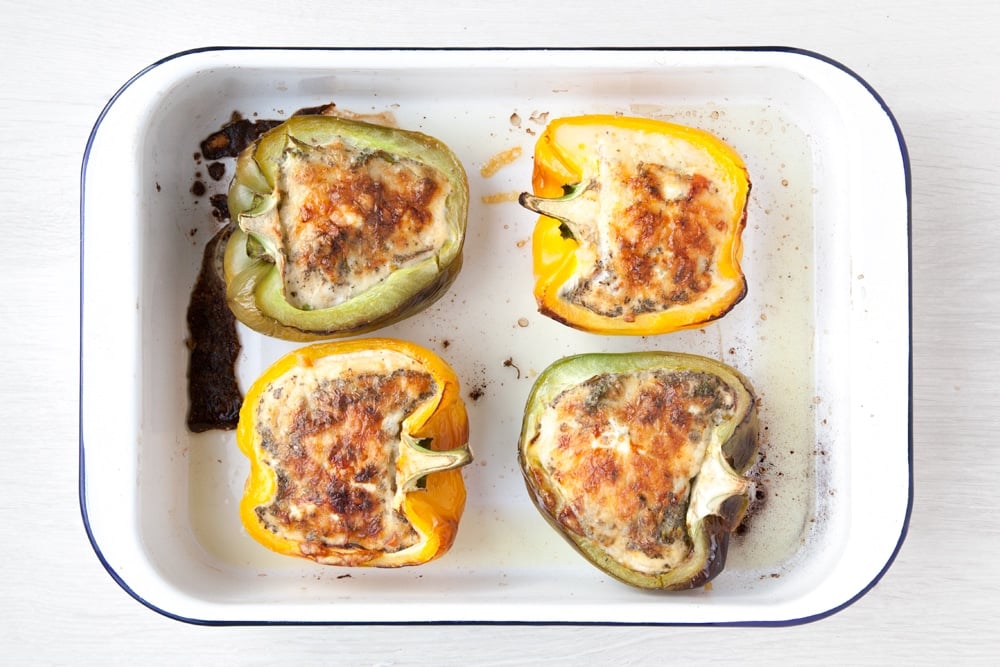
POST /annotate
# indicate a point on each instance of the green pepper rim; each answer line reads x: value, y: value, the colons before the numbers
x: 254, y: 285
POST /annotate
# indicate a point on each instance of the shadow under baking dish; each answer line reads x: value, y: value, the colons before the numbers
x: 823, y: 333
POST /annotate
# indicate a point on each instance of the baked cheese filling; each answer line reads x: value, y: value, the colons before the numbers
x: 331, y: 433
x: 654, y: 233
x: 621, y: 452
x: 348, y: 217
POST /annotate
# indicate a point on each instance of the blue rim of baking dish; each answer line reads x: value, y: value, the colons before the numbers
x: 749, y: 623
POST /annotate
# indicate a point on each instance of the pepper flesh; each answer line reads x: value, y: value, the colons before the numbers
x: 641, y: 227
x: 422, y: 473
x: 637, y: 459
x: 257, y: 262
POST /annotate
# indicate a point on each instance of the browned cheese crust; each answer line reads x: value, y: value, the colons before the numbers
x: 625, y: 450
x: 333, y: 445
x: 660, y: 246
x: 350, y: 218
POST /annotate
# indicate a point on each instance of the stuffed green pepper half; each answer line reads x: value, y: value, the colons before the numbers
x: 343, y: 227
x: 638, y: 460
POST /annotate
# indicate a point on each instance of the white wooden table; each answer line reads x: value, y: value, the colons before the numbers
x: 933, y: 63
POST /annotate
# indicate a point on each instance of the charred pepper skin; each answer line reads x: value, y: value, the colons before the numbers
x: 637, y: 202
x: 255, y: 291
x: 426, y: 467
x: 615, y: 471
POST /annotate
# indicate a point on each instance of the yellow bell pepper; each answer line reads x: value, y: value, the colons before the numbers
x: 355, y: 451
x: 641, y: 225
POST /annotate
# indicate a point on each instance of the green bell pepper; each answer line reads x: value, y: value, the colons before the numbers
x: 344, y: 227
x: 637, y: 459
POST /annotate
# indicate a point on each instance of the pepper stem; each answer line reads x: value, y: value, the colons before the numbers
x: 416, y: 461
x: 577, y: 203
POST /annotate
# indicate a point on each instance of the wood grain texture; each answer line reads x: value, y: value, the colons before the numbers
x: 935, y: 67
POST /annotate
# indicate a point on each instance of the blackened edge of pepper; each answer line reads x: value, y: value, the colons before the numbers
x: 214, y: 396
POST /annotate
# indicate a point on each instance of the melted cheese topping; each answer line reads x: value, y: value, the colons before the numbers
x: 347, y: 218
x: 620, y: 452
x: 656, y: 227
x: 331, y: 433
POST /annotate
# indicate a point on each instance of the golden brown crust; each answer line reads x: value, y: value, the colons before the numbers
x: 661, y: 243
x: 625, y: 451
x: 332, y: 444
x: 350, y: 218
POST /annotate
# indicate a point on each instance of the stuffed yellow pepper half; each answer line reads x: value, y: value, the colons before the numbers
x: 355, y: 451
x: 642, y: 224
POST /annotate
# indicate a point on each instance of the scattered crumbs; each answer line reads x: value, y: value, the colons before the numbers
x: 522, y: 322
x: 500, y: 160
x: 861, y: 276
x: 192, y: 231
x: 707, y: 587
x: 515, y: 119
x: 446, y: 343
x: 220, y: 206
x: 158, y: 187
x: 529, y: 131
x: 198, y: 189
x: 479, y: 382
x: 500, y: 197
x: 344, y: 576
x: 732, y: 350
x: 784, y: 182
x: 539, y: 117
x: 509, y: 363
x: 522, y: 243
x: 763, y: 317
x: 216, y: 171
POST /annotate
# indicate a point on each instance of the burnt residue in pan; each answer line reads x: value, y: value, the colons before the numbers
x: 234, y: 136
x: 214, y: 396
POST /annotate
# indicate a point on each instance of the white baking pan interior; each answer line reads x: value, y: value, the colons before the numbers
x: 823, y: 333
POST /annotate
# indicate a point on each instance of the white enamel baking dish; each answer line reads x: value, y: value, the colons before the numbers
x: 823, y: 334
